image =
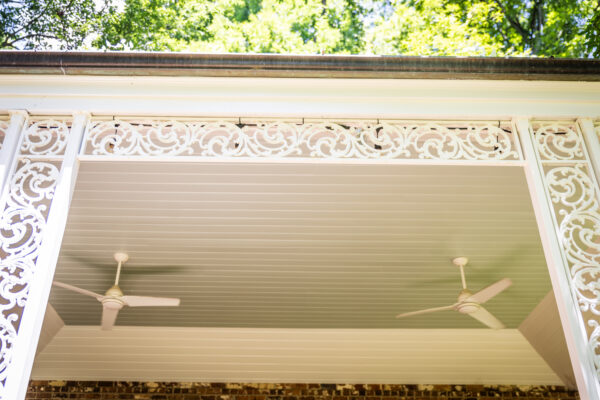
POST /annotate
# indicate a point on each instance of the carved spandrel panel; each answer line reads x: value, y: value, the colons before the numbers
x: 386, y: 140
x: 25, y: 206
x: 573, y: 191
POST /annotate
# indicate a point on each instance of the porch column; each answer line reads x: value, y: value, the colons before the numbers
x: 8, y: 147
x: 566, y: 200
x: 35, y: 202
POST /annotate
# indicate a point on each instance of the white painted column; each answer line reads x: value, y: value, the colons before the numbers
x: 592, y: 141
x: 9, y: 146
x: 46, y: 244
x: 583, y: 357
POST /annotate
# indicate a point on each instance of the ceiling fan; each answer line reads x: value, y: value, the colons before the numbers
x: 470, y: 303
x: 114, y: 299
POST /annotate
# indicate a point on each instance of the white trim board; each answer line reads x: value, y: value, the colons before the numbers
x: 309, y: 98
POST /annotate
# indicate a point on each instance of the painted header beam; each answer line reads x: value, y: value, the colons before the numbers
x: 297, y: 66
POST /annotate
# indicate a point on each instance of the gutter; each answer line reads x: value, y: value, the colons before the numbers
x: 296, y: 66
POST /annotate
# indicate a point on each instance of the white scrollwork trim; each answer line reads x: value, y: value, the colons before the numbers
x: 581, y: 241
x: 558, y: 142
x: 22, y: 222
x: 8, y: 336
x: 33, y: 185
x: 20, y: 232
x: 14, y: 279
x: 573, y: 192
x: 467, y: 141
x: 26, y: 208
x: 45, y: 137
x: 124, y: 138
x: 594, y: 343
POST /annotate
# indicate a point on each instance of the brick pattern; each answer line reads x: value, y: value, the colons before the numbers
x: 52, y: 390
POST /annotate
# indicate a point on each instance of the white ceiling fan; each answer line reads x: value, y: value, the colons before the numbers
x: 470, y: 303
x: 114, y: 299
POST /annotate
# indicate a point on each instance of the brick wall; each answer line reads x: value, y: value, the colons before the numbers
x: 233, y: 391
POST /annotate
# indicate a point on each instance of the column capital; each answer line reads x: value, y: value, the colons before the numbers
x: 22, y: 113
x: 81, y: 114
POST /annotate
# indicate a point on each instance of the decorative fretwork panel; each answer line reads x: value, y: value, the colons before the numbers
x: 25, y: 206
x: 45, y: 138
x: 573, y: 192
x: 490, y: 140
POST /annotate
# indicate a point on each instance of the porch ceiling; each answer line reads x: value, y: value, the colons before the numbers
x: 299, y: 245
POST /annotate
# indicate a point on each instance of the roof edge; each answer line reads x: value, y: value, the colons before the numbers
x: 296, y: 66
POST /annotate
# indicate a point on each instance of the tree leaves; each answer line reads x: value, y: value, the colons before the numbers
x: 559, y: 28
x: 62, y: 24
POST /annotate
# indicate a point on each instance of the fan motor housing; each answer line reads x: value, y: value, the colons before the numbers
x: 114, y: 291
x: 467, y: 307
x: 114, y: 304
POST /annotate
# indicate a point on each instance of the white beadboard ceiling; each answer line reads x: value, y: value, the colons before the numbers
x: 299, y: 245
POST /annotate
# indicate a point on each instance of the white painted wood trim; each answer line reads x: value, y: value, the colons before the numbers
x: 39, y: 289
x: 10, y: 144
x: 298, y: 160
x: 299, y: 98
x: 572, y: 322
x: 592, y: 141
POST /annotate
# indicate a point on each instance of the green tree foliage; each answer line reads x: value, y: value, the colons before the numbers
x: 37, y: 24
x: 433, y: 27
x: 540, y: 27
x: 267, y: 26
x: 559, y: 28
x: 156, y: 25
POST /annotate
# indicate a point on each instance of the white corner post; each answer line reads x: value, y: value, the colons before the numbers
x: 9, y: 146
x: 591, y: 133
x: 35, y: 203
x: 565, y: 196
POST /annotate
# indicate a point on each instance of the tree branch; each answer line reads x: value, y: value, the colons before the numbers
x: 34, y: 20
x: 11, y: 43
x: 533, y: 15
x: 513, y: 22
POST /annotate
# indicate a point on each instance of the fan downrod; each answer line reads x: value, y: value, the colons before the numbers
x: 120, y: 258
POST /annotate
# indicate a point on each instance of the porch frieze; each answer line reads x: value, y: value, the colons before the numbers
x: 353, y: 139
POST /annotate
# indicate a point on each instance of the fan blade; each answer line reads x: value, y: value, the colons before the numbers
x: 78, y: 290
x: 109, y: 316
x: 490, y: 291
x: 482, y: 315
x: 429, y: 310
x: 145, y: 301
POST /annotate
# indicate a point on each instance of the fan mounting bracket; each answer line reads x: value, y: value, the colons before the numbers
x: 121, y: 257
x: 460, y: 261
